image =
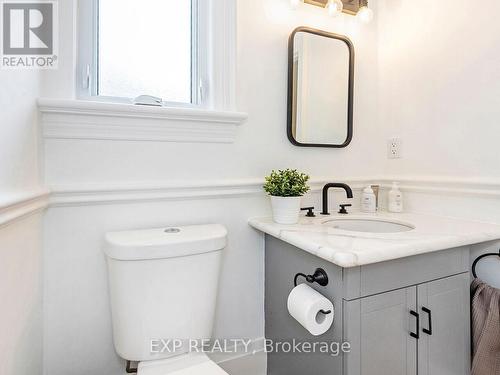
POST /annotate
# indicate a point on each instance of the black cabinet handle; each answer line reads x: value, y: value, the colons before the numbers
x: 429, y: 313
x: 417, y: 316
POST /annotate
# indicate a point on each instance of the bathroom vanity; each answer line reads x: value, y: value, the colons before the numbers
x: 399, y: 284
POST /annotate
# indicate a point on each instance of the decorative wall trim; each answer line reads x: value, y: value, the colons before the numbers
x: 81, y: 119
x: 477, y: 187
x: 20, y: 206
x: 101, y: 194
x: 107, y: 194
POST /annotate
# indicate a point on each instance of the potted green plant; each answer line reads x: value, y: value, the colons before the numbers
x: 286, y: 187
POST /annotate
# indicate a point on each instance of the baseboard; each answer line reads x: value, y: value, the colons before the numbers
x: 251, y: 364
x: 244, y: 362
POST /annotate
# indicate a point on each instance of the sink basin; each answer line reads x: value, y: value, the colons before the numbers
x: 369, y: 225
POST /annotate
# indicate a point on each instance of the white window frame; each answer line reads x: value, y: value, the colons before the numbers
x: 215, y: 58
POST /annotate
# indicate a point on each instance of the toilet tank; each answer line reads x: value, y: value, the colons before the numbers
x: 163, y: 286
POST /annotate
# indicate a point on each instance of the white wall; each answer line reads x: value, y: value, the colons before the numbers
x: 18, y: 132
x: 78, y: 337
x: 20, y: 240
x: 21, y: 296
x: 264, y: 26
x: 439, y: 73
x: 439, y: 86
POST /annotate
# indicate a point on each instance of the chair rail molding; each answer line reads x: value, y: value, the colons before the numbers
x: 19, y: 206
x: 473, y: 186
x: 93, y: 194
x: 82, y: 119
x: 14, y: 207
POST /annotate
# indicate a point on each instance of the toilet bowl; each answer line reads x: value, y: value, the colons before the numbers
x: 163, y: 286
x: 188, y: 364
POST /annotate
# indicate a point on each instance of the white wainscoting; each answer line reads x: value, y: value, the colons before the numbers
x: 75, y: 276
x: 81, y: 214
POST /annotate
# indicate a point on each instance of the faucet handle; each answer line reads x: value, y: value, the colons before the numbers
x: 343, y: 210
x: 310, y: 212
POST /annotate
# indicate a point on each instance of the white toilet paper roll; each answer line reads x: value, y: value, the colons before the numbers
x: 306, y: 306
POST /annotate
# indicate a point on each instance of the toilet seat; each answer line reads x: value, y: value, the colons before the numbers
x: 187, y: 364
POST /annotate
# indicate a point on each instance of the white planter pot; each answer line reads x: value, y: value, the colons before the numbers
x: 286, y: 210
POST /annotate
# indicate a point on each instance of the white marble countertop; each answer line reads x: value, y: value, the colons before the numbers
x: 351, y: 249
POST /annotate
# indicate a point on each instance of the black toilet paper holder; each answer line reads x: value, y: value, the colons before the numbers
x: 319, y: 276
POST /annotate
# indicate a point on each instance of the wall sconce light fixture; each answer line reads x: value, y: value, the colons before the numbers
x: 335, y: 7
x: 358, y: 8
x: 365, y: 14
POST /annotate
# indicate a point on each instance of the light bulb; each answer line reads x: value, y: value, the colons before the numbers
x: 365, y: 14
x: 335, y: 7
x: 295, y: 3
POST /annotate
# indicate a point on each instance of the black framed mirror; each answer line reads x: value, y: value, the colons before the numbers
x: 320, y: 88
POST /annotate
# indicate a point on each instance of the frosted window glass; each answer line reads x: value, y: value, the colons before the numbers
x: 145, y: 49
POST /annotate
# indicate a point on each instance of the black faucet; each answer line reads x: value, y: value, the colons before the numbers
x: 346, y: 187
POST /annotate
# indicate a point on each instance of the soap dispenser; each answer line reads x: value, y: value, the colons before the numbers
x: 395, y: 199
x: 368, y: 200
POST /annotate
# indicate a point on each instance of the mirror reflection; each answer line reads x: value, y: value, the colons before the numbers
x: 320, y: 89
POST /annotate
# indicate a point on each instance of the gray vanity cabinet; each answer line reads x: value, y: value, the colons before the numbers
x: 379, y: 329
x: 445, y: 351
x: 373, y: 312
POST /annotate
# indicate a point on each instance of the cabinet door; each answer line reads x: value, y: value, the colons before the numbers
x: 378, y: 329
x: 444, y: 348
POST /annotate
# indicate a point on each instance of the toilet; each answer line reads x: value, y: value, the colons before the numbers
x: 163, y: 286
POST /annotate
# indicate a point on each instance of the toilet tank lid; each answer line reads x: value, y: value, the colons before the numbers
x: 161, y: 243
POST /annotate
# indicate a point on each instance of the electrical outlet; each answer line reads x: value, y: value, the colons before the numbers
x: 394, y: 146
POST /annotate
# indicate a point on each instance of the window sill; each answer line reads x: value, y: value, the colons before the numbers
x: 81, y: 119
